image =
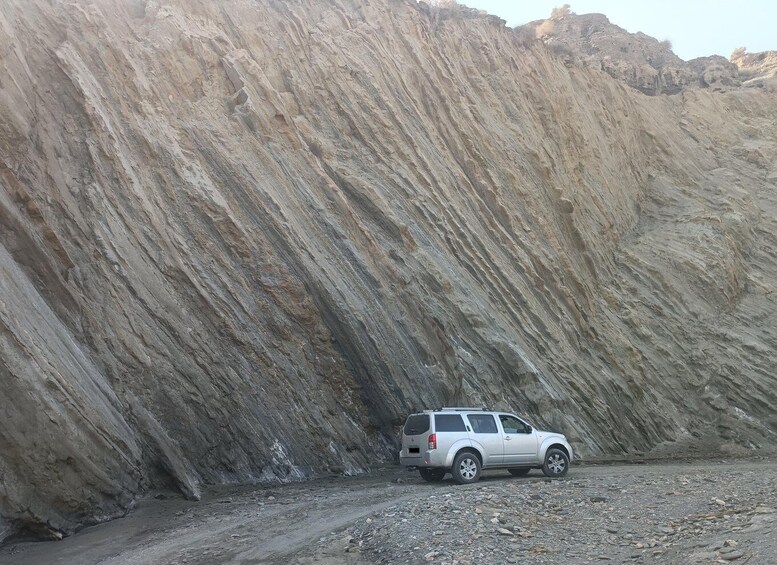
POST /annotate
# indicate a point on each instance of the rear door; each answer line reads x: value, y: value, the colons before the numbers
x: 520, y: 440
x: 448, y: 428
x: 483, y: 429
x: 415, y: 436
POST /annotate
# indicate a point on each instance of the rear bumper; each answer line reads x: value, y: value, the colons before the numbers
x: 414, y: 461
x: 431, y: 458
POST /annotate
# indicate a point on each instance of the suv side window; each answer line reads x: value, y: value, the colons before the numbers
x: 513, y: 425
x: 482, y: 423
x: 448, y: 423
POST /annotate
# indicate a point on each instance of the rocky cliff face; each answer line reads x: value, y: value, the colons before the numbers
x: 756, y: 69
x: 241, y: 241
x: 641, y: 61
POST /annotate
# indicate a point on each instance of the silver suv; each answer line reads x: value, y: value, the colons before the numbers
x: 462, y: 441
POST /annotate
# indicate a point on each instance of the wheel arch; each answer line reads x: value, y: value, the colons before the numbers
x: 556, y: 445
x: 459, y: 447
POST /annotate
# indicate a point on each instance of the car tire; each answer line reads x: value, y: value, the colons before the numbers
x: 520, y: 472
x: 466, y: 468
x: 556, y: 463
x: 432, y: 475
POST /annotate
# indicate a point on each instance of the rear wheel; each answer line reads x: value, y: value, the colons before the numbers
x: 521, y: 472
x: 466, y: 468
x: 432, y: 475
x: 556, y: 463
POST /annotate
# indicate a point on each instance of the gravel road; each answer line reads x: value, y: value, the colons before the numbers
x: 658, y: 513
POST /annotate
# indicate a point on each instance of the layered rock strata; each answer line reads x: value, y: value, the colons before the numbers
x: 241, y: 241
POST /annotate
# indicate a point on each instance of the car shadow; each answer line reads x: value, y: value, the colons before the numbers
x: 492, y: 477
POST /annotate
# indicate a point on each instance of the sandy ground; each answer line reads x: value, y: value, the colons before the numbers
x: 356, y: 520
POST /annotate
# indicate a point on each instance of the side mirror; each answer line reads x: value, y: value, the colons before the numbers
x: 528, y: 429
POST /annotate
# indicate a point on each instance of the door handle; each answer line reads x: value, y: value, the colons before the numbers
x: 508, y: 438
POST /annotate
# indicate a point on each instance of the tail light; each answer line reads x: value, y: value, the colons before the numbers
x: 433, y: 441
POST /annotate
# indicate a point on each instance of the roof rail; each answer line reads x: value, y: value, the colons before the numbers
x: 464, y: 409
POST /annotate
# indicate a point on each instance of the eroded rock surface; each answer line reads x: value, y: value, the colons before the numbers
x: 756, y: 69
x: 241, y: 241
x: 641, y: 61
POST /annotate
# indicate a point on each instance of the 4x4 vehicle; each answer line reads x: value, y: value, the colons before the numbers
x: 462, y: 441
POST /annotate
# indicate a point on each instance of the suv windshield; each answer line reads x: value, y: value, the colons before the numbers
x: 417, y: 424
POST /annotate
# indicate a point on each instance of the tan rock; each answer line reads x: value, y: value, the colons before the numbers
x: 241, y: 241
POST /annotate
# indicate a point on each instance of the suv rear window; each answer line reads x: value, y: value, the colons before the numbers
x: 417, y: 424
x: 448, y: 423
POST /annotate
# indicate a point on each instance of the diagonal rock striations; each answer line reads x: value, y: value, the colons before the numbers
x: 241, y: 241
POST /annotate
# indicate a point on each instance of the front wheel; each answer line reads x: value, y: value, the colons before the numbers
x: 556, y: 463
x: 432, y: 475
x: 466, y: 468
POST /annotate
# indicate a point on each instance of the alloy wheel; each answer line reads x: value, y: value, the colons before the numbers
x: 468, y: 469
x: 556, y: 464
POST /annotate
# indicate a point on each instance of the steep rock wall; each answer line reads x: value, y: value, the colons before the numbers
x: 241, y: 241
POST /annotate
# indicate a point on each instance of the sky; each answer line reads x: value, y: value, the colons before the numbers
x: 696, y: 28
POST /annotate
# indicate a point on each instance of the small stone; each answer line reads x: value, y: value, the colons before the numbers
x: 733, y: 556
x: 598, y: 499
x: 431, y: 555
x: 764, y: 510
x: 270, y: 497
x: 505, y: 532
x: 730, y: 543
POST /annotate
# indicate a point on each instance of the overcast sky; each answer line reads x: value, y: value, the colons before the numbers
x: 695, y: 27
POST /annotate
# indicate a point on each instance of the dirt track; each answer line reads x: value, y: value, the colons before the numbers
x: 660, y: 513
